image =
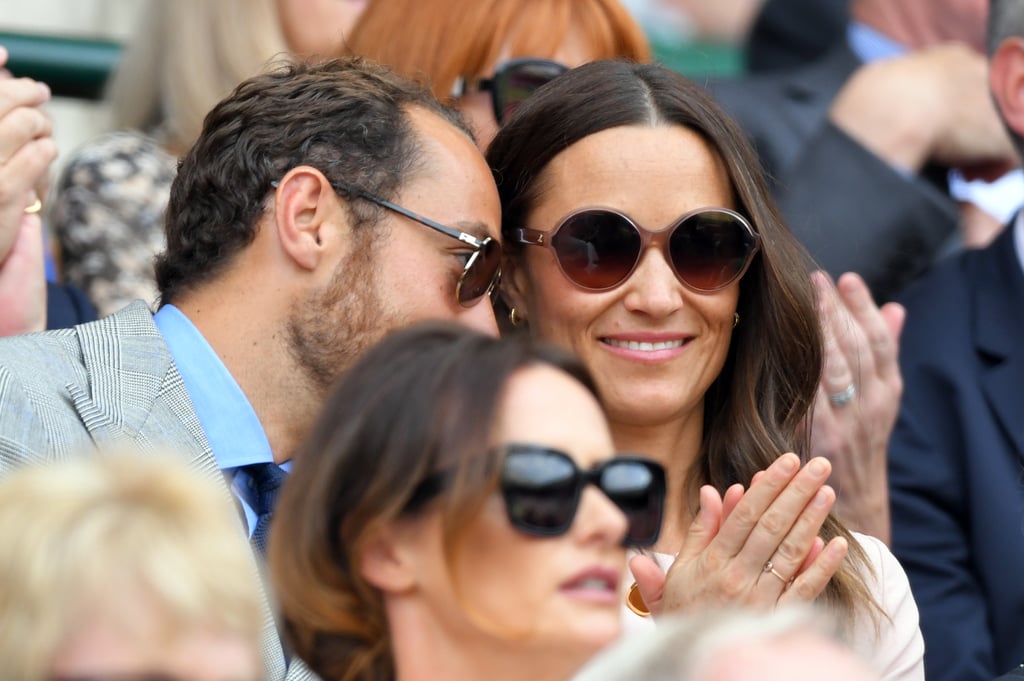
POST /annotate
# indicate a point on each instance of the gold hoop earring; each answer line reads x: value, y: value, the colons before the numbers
x: 513, y: 317
x: 735, y: 319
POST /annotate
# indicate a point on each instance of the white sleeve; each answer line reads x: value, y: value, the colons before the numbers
x: 896, y: 651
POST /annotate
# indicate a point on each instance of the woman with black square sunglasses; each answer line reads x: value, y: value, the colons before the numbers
x: 458, y: 512
x: 639, y: 234
x: 488, y: 56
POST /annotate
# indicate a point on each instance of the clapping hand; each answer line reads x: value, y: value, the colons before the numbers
x: 26, y: 152
x: 757, y: 547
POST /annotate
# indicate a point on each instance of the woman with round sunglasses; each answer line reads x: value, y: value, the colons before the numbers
x: 458, y: 513
x: 488, y: 56
x: 639, y: 234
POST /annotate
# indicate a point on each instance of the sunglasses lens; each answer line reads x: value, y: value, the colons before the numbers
x: 638, y: 489
x: 597, y: 249
x: 540, y: 488
x: 481, y: 273
x: 711, y: 249
x: 517, y: 80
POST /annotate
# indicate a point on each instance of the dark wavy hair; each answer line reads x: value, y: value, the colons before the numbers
x: 349, y: 118
x: 425, y: 399
x: 759, y: 404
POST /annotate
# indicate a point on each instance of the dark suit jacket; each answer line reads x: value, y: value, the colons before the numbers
x: 1015, y: 673
x: 67, y: 306
x: 851, y: 210
x: 790, y: 33
x: 956, y: 462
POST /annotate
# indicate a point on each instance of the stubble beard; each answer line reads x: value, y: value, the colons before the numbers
x: 336, y: 324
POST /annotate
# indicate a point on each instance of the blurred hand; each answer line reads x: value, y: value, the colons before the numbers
x: 932, y: 104
x: 26, y: 152
x: 731, y: 541
x: 23, y: 281
x: 861, y: 349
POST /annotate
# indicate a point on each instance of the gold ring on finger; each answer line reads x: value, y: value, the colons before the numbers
x: 768, y: 567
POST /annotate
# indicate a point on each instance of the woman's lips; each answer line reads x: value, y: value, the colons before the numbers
x: 595, y: 585
x: 647, y: 348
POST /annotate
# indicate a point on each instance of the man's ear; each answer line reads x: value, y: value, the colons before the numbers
x: 1006, y: 80
x: 304, y: 205
x: 386, y: 559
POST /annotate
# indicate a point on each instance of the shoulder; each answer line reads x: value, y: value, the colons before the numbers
x: 58, y: 387
x: 813, y: 84
x: 896, y: 647
x: 962, y: 296
x: 892, y: 587
x: 940, y: 291
x: 37, y: 374
x: 52, y: 360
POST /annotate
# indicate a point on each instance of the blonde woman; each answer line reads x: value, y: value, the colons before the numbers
x: 124, y: 566
x: 788, y: 644
x: 108, y: 209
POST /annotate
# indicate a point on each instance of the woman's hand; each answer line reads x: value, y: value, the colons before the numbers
x: 758, y: 548
x: 858, y: 398
x: 26, y: 152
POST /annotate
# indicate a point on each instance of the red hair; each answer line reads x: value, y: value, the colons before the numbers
x: 437, y: 41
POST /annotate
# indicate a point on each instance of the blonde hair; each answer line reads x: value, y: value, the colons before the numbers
x: 75, y: 532
x: 186, y: 57
x: 438, y: 41
x: 683, y: 647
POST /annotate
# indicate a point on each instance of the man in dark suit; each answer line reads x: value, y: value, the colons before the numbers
x: 956, y: 457
x: 860, y: 151
x: 790, y: 33
x: 294, y: 241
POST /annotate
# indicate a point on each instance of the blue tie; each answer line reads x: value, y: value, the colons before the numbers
x: 265, y: 480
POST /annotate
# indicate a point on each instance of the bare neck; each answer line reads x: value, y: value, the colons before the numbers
x: 249, y: 337
x: 426, y: 650
x: 676, y: 445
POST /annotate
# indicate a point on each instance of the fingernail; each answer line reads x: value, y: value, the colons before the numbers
x: 821, y: 498
x: 45, y: 89
x: 788, y: 463
x: 837, y: 547
x: 818, y: 467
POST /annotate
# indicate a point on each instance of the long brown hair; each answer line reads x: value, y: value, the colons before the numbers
x: 756, y: 408
x: 437, y: 41
x: 422, y: 401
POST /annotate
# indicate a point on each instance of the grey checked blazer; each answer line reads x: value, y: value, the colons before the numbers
x: 64, y: 393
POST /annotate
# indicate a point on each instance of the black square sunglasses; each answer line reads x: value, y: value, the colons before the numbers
x: 512, y: 84
x: 541, y: 488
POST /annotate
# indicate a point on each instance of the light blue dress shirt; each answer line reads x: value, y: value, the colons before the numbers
x: 231, y: 426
